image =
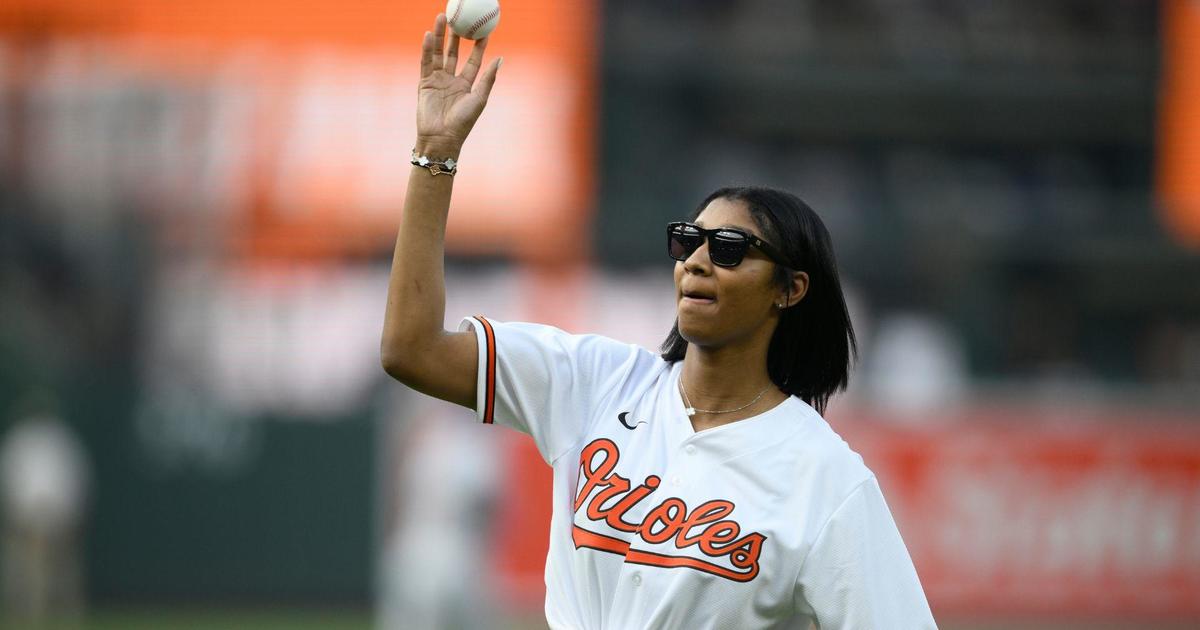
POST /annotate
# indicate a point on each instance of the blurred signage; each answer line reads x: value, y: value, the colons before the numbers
x: 1015, y: 514
x: 287, y: 132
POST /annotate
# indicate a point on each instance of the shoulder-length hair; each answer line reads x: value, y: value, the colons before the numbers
x: 814, y: 345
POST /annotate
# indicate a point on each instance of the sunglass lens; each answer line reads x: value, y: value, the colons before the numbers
x: 682, y: 240
x: 727, y: 248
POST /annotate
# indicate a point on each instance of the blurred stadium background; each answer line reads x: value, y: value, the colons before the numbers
x: 198, y: 202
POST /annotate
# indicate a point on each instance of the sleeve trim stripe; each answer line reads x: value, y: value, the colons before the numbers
x: 489, y: 396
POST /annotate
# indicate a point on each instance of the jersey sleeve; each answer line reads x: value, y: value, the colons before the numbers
x: 858, y: 574
x: 545, y: 382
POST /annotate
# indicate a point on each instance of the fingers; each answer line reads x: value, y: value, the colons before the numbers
x: 436, y: 56
x: 439, y: 41
x: 484, y: 88
x: 475, y: 61
x: 452, y: 54
x: 427, y: 54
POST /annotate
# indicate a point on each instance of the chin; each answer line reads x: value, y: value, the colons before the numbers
x: 694, y: 332
x: 711, y: 332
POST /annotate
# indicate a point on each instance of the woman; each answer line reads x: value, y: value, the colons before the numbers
x: 696, y: 489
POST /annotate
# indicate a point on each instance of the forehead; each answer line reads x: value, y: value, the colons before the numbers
x: 726, y: 213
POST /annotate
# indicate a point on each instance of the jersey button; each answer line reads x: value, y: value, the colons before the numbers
x: 676, y: 481
x: 690, y: 449
x: 637, y: 580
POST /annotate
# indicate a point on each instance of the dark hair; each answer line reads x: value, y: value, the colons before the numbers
x: 813, y: 346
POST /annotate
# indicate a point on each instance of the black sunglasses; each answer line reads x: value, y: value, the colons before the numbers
x: 726, y: 246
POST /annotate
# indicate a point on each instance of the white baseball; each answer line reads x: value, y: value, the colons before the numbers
x: 473, y: 19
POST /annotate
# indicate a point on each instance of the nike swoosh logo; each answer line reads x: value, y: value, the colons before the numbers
x: 622, y: 418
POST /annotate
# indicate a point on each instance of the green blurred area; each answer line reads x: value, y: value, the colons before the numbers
x: 204, y: 619
x: 258, y: 619
x: 288, y: 618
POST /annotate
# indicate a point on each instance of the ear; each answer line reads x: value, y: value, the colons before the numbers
x: 794, y: 291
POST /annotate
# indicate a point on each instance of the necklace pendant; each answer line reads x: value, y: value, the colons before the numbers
x: 691, y: 411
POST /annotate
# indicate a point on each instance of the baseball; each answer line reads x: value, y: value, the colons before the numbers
x: 473, y: 19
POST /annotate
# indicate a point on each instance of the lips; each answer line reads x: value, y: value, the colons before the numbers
x: 699, y: 296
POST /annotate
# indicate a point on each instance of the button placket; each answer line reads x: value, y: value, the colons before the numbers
x: 682, y: 467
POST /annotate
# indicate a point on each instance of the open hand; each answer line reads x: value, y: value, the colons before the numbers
x: 448, y: 104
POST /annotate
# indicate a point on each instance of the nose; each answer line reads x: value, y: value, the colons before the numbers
x: 699, y: 263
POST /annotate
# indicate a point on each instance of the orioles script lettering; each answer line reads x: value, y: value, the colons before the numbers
x: 608, y: 497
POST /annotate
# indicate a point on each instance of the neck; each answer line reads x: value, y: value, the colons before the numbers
x: 726, y: 378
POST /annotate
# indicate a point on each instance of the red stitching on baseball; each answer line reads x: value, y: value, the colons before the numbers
x: 457, y: 10
x: 481, y: 21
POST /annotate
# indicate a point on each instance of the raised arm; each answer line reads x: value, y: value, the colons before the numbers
x: 416, y: 349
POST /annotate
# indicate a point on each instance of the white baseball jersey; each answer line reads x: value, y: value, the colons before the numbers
x: 767, y: 522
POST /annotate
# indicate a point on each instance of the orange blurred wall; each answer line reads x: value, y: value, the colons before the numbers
x: 527, y: 24
x: 330, y: 87
x: 1179, y: 121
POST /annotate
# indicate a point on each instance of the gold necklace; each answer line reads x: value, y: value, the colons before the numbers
x: 691, y: 411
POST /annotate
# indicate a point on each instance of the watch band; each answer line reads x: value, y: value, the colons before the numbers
x: 447, y: 166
